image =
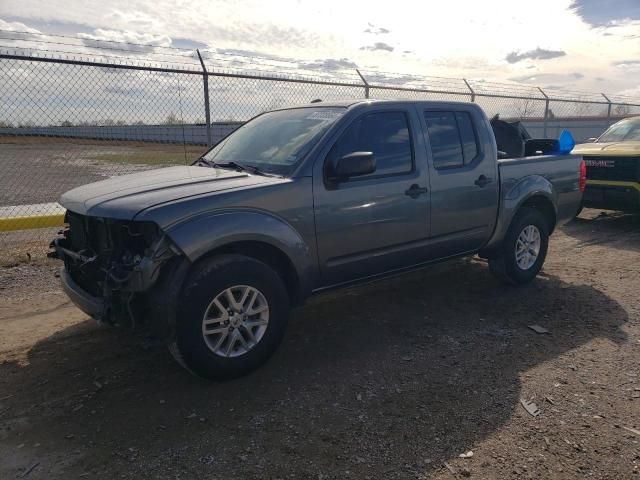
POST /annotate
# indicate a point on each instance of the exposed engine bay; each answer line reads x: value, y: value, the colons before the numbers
x: 113, y: 260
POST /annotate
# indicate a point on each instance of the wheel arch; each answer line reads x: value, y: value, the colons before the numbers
x: 269, y: 255
x: 543, y: 204
x: 533, y: 191
x: 255, y: 234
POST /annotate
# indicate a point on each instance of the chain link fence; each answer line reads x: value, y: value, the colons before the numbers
x: 67, y: 122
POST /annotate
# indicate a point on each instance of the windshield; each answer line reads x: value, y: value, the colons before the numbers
x: 627, y: 130
x: 275, y: 142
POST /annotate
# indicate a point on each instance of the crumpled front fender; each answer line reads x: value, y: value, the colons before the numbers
x: 197, y: 236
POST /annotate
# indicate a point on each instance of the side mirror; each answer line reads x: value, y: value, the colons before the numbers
x: 354, y: 164
x: 592, y: 140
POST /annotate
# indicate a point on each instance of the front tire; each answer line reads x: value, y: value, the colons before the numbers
x: 523, y: 249
x: 232, y: 315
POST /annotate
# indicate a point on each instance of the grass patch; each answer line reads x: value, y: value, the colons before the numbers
x: 156, y: 155
x: 151, y: 156
x: 121, y: 152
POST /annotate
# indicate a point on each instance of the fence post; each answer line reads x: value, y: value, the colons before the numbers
x: 366, y: 84
x: 473, y: 94
x: 546, y: 112
x: 207, y: 112
x: 608, y: 108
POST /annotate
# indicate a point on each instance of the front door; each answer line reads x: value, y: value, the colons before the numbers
x: 374, y: 223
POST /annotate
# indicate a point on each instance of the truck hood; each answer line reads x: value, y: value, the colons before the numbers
x: 613, y: 148
x: 124, y: 197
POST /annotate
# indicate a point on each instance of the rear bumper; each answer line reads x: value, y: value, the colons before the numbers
x: 611, y: 195
x: 92, y: 306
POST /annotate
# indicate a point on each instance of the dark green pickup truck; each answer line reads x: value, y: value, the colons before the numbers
x: 298, y: 201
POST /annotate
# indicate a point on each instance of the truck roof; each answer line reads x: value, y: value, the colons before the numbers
x: 354, y: 102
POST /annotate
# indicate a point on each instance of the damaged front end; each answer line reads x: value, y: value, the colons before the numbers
x: 110, y: 266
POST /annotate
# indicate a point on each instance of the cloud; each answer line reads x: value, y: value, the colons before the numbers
x: 390, y: 79
x: 187, y: 43
x: 632, y: 65
x: 545, y: 78
x: 133, y: 41
x: 461, y: 62
x: 378, y: 46
x: 131, y: 16
x: 249, y: 53
x: 263, y: 34
x: 376, y: 30
x: 629, y: 92
x: 18, y: 30
x: 312, y: 32
x: 537, y: 54
x: 257, y: 61
x: 331, y: 64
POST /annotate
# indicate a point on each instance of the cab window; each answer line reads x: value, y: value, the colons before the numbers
x: 386, y: 134
x: 453, y: 139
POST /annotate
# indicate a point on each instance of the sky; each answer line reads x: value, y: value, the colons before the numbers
x: 585, y: 45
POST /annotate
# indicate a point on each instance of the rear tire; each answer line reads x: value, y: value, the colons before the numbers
x: 232, y: 315
x: 524, y: 248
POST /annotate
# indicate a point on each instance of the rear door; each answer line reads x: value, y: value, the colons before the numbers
x: 463, y: 176
x: 378, y: 222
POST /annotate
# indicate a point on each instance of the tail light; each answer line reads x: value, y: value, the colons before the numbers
x: 583, y: 176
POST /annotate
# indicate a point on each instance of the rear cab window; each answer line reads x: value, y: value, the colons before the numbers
x: 453, y: 138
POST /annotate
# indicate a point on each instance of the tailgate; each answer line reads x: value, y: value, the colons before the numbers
x: 614, y: 168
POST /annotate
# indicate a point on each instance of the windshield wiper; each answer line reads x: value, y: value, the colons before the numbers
x: 212, y: 164
x: 203, y: 161
x: 243, y: 168
x: 235, y: 166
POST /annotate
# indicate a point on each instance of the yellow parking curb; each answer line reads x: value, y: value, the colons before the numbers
x: 8, y: 224
x: 614, y: 183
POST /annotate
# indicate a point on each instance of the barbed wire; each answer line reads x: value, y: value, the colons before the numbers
x: 225, y: 59
x: 187, y: 52
x: 234, y: 61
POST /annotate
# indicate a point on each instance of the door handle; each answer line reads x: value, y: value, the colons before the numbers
x: 415, y: 191
x: 483, y: 181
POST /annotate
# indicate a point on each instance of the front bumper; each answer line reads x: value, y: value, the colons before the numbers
x: 92, y: 306
x: 610, y: 195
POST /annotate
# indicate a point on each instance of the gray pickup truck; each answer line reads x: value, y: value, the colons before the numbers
x: 212, y: 256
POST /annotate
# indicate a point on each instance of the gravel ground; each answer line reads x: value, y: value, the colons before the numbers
x: 391, y: 380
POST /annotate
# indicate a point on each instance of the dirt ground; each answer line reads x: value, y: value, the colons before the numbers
x: 391, y: 380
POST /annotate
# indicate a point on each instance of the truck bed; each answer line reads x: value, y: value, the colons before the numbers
x: 558, y: 172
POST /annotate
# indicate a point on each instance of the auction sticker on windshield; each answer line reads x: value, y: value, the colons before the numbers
x: 325, y: 114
